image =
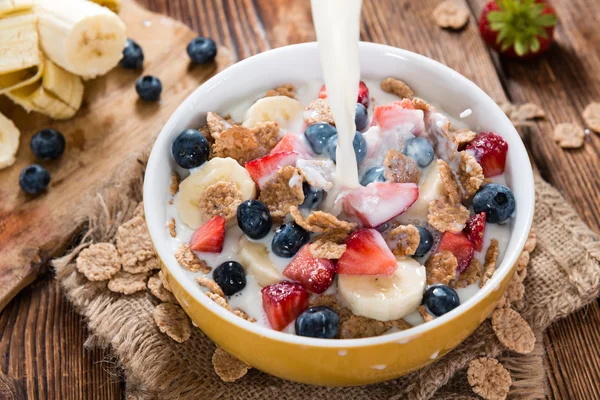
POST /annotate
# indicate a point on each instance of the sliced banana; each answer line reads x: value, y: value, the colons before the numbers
x: 431, y: 188
x: 9, y: 142
x: 280, y: 109
x: 82, y: 37
x: 113, y: 5
x: 20, y: 60
x: 14, y: 6
x: 213, y: 171
x: 384, y: 298
x: 255, y: 260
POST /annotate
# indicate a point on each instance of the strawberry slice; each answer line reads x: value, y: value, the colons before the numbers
x: 367, y: 254
x: 363, y: 94
x: 459, y: 245
x: 475, y: 229
x: 293, y: 142
x: 283, y: 302
x: 490, y: 151
x: 379, y: 202
x: 391, y: 115
x: 210, y: 236
x: 262, y: 169
x: 314, y: 274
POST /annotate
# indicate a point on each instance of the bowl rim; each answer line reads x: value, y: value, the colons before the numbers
x: 156, y: 227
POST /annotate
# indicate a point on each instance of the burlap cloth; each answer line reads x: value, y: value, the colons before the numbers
x: 563, y: 276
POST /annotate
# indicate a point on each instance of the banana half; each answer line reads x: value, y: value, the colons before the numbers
x: 384, y: 298
x: 20, y: 58
x: 280, y: 109
x: 9, y: 142
x: 14, y: 6
x: 58, y: 94
x: 213, y: 171
x: 255, y: 259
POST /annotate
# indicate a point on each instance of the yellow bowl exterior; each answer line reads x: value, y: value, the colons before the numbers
x: 337, y: 365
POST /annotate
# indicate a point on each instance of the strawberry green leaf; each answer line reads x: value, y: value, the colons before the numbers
x: 535, y: 45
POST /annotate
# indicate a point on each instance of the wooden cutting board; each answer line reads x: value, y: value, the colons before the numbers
x: 104, y: 141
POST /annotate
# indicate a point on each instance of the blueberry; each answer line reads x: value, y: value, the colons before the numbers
x: 148, y: 88
x: 359, y: 143
x: 318, y: 135
x: 34, y: 179
x: 419, y: 150
x: 202, y: 50
x: 425, y: 243
x: 440, y: 299
x: 133, y: 56
x: 288, y: 239
x: 230, y: 277
x: 313, y: 197
x: 318, y: 322
x: 254, y: 219
x: 47, y: 144
x: 361, y: 118
x: 190, y: 149
x: 496, y: 200
x: 375, y: 174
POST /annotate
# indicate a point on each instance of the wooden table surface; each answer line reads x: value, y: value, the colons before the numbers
x: 42, y: 337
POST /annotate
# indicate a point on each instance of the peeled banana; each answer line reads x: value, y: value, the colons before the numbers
x: 113, y: 5
x: 384, y: 298
x: 14, y: 6
x: 20, y: 57
x: 255, y: 259
x: 82, y: 37
x: 9, y: 142
x: 430, y: 188
x: 280, y: 109
x: 58, y: 94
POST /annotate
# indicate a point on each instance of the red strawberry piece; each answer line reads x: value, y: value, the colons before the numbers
x: 363, y: 94
x: 389, y: 116
x: 314, y: 274
x: 459, y: 245
x: 283, y: 302
x: 210, y: 236
x: 293, y: 142
x: 490, y: 151
x: 367, y: 254
x: 379, y: 202
x: 475, y: 229
x: 517, y: 28
x: 262, y: 169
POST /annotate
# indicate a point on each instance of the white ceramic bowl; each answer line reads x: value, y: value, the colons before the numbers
x: 337, y: 362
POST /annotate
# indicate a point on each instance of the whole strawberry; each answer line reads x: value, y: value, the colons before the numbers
x: 518, y: 28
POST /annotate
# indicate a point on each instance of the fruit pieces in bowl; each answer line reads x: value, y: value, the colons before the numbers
x: 422, y: 233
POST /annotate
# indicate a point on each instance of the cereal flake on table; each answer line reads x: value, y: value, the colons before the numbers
x: 463, y: 136
x: 450, y: 14
x: 425, y: 314
x: 527, y: 111
x: 221, y: 198
x: 441, y: 268
x: 318, y: 111
x: 211, y: 285
x: 283, y: 191
x: 514, y: 292
x: 133, y: 242
x: 513, y: 331
x: 188, y: 260
x: 99, y: 262
x: 400, y: 169
x: 447, y: 217
x: 142, y: 267
x: 568, y: 136
x: 523, y: 260
x: 126, y: 283
x: 164, y: 281
x: 172, y: 321
x: 531, y: 241
x: 287, y: 90
x: 172, y: 225
x: 488, y: 378
x: 470, y: 174
x: 489, y: 267
x: 406, y: 238
x: 397, y: 87
x: 591, y: 116
x: 449, y: 182
x: 139, y: 210
x: 470, y: 275
x: 158, y: 290
x: 229, y: 368
x: 174, y: 187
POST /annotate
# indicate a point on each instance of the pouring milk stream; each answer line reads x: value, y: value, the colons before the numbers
x: 337, y: 24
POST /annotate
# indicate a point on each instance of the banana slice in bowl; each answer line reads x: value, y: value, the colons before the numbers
x: 211, y: 172
x: 384, y: 298
x: 430, y: 188
x: 255, y: 259
x: 280, y: 109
